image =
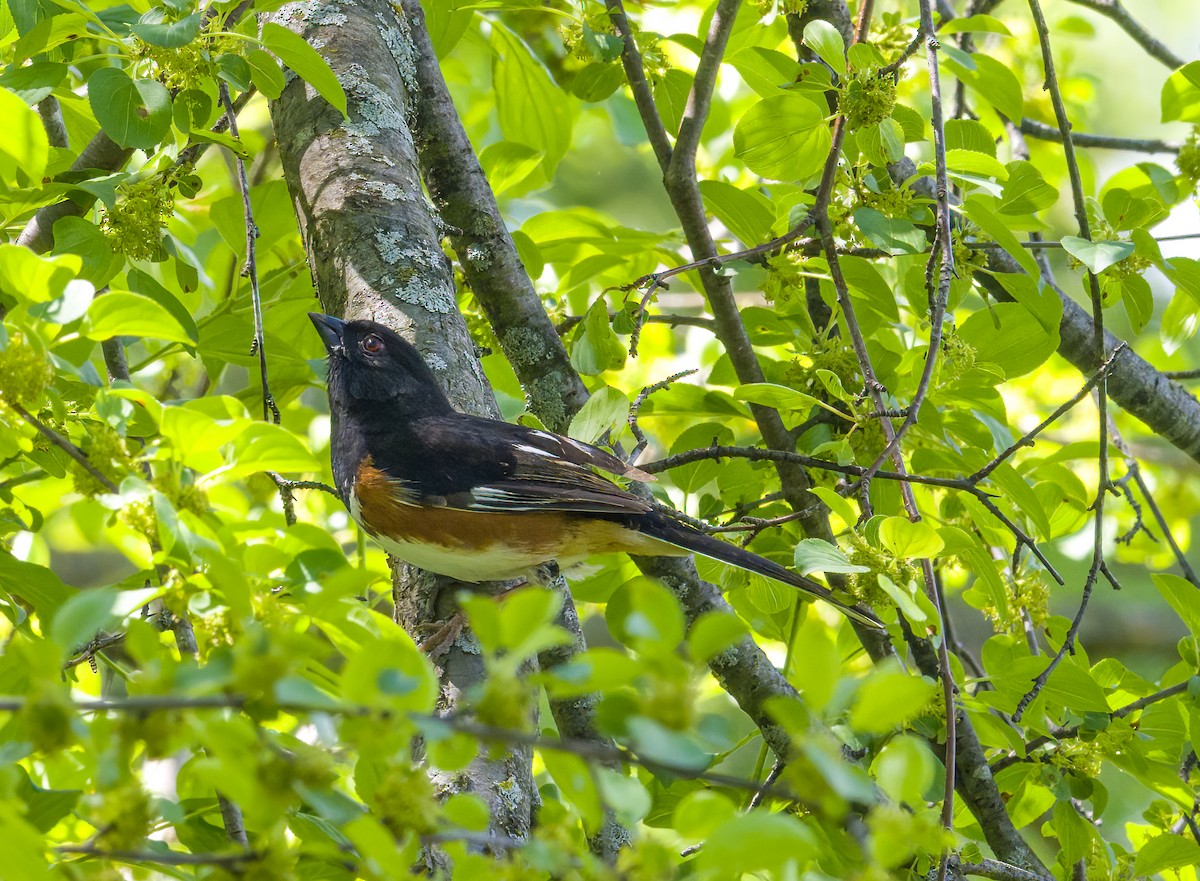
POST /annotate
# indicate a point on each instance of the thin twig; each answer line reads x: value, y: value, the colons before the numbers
x: 639, y: 435
x: 66, y: 446
x: 270, y: 410
x: 1135, y: 471
x: 1028, y: 438
x: 943, y: 239
x: 758, y: 454
x: 1061, y: 734
x: 159, y: 857
x: 1112, y: 9
x: 1044, y: 132
x: 589, y: 749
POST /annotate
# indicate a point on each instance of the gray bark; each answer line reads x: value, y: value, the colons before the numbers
x: 374, y: 248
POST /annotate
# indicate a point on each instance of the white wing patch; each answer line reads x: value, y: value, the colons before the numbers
x: 525, y: 448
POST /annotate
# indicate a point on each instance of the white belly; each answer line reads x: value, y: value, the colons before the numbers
x: 466, y: 565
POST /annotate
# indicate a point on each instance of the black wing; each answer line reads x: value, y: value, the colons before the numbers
x: 477, y: 464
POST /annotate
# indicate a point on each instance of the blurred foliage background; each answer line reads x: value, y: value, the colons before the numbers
x: 148, y: 553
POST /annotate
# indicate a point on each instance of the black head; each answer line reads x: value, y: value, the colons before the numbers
x: 372, y: 365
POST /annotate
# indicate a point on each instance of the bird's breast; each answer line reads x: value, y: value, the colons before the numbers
x: 478, y: 546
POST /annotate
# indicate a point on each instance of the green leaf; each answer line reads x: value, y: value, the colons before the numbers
x: 783, y: 138
x: 1126, y: 211
x: 713, y: 633
x: 893, y: 235
x: 1139, y: 301
x: 1010, y: 337
x: 33, y: 82
x: 978, y: 210
x: 645, y: 615
x: 597, y: 81
x: 508, y: 164
x: 905, y: 769
x: 134, y: 113
x: 881, y: 143
x: 1180, y: 320
x: 154, y: 29
x: 1165, y: 852
x: 24, y: 149
x: 265, y: 73
x: 606, y: 411
x: 1182, y: 596
x: 975, y: 24
x: 123, y: 313
x: 30, y: 277
x: 530, y: 107
x: 47, y: 34
x: 969, y: 134
x: 780, y: 397
x: 766, y: 71
x: 74, y: 235
x: 266, y: 447
x: 145, y: 284
x: 887, y: 698
x: 34, y: 584
x: 817, y: 555
x: 904, y: 538
x: 656, y: 743
x: 44, y: 807
x: 757, y: 842
x: 1097, y: 256
x: 1018, y: 490
x: 990, y: 80
x: 824, y: 39
x: 1180, y: 99
x: 905, y: 599
x: 96, y: 609
x: 1184, y: 272
x: 597, y: 347
x: 746, y: 213
x: 1026, y: 191
x: 305, y: 63
x: 971, y: 162
x: 574, y: 778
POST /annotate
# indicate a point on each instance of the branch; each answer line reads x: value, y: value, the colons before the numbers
x: 160, y: 857
x: 943, y: 238
x: 757, y: 454
x: 1028, y: 438
x: 1135, y: 470
x: 1061, y: 734
x: 66, y: 446
x: 996, y: 870
x: 643, y: 97
x: 375, y: 250
x: 1036, y: 129
x: 639, y: 435
x: 1112, y: 9
x: 695, y: 112
x: 481, y: 241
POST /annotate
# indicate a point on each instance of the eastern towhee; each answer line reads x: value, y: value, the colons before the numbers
x: 483, y: 500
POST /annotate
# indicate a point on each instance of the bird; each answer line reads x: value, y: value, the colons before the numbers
x: 479, y: 499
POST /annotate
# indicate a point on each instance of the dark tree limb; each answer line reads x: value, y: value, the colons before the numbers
x: 1036, y: 129
x: 1165, y: 406
x: 485, y: 250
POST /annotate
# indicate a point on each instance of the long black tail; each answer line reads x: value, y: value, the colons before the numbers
x: 663, y: 527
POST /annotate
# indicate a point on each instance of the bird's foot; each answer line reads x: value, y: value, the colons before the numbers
x: 545, y: 574
x: 443, y: 634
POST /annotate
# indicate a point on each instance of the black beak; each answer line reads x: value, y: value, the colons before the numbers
x: 331, y: 330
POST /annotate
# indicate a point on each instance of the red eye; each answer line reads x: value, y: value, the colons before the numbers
x: 372, y: 344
